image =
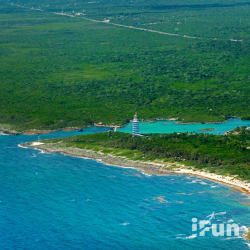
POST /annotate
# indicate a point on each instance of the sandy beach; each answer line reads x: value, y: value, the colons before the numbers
x: 149, y: 167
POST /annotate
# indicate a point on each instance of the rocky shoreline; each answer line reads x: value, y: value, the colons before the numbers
x: 10, y: 132
x: 35, y: 131
x: 105, y: 158
x: 148, y: 167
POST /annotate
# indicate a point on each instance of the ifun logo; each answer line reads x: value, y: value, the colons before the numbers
x: 224, y: 229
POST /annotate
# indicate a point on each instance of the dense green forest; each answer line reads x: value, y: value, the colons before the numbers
x: 228, y: 154
x: 58, y: 71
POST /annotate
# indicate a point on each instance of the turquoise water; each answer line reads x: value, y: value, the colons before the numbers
x: 53, y: 201
x: 171, y: 126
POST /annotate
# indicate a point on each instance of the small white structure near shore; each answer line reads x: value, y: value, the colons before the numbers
x: 136, y: 130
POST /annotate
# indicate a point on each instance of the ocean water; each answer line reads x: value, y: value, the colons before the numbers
x: 53, y: 201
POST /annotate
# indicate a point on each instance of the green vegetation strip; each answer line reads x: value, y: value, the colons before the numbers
x: 228, y: 154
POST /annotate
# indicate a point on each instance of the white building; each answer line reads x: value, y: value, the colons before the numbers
x: 136, y: 130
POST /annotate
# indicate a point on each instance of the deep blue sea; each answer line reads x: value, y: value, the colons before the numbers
x: 53, y: 201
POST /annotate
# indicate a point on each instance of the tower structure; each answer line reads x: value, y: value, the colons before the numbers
x: 136, y: 130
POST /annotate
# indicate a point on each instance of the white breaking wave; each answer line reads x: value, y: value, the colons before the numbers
x: 146, y: 174
x: 243, y: 229
x: 1, y: 133
x: 188, y: 237
x: 232, y: 238
x: 203, y: 183
x: 85, y: 158
x: 20, y: 146
x: 193, y: 182
x: 125, y: 224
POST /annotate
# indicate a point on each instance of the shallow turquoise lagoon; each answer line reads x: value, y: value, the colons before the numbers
x: 172, y: 126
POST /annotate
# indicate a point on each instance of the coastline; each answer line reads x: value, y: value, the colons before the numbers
x: 187, y: 123
x: 151, y: 168
x: 39, y: 132
x: 6, y: 131
x: 35, y: 131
